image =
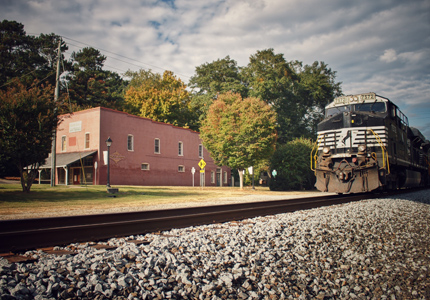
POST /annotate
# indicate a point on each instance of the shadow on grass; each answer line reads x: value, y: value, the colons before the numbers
x: 12, y: 193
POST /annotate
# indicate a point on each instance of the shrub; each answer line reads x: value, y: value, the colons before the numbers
x: 292, y: 163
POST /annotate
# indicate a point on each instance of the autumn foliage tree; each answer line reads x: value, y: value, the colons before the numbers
x: 239, y: 132
x: 27, y: 120
x: 160, y: 98
x: 296, y: 92
x: 211, y: 79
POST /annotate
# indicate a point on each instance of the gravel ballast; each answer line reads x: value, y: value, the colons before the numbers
x: 372, y: 249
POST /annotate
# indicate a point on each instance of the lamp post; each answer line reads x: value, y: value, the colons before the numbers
x: 108, y: 144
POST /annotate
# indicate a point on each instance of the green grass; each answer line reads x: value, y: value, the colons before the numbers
x: 44, y: 198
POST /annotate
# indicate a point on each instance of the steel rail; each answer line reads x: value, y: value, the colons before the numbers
x: 24, y: 234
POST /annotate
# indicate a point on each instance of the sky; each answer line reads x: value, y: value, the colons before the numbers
x: 380, y: 46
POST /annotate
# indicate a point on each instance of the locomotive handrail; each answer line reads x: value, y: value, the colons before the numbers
x: 315, y: 157
x: 384, y: 150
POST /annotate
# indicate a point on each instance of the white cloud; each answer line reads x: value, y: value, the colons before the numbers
x: 380, y: 46
x: 389, y: 56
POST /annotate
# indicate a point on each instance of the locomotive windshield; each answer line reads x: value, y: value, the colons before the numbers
x: 378, y: 107
x: 375, y: 107
x: 337, y: 110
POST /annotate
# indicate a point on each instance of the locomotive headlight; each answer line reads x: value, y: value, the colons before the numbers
x: 361, y: 148
x: 326, y: 150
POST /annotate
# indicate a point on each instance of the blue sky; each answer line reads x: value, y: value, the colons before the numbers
x: 374, y: 46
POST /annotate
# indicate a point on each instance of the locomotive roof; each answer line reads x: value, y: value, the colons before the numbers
x: 356, y: 99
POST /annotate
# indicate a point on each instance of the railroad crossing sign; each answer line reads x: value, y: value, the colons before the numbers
x: 202, y: 164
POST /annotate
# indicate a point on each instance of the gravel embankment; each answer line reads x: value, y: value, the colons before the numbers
x: 373, y: 249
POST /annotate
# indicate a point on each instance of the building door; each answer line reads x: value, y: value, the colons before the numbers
x: 218, y: 177
x: 76, y: 176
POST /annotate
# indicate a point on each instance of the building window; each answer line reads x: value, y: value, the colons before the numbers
x: 87, y: 140
x: 181, y: 169
x: 157, y: 146
x: 225, y: 177
x: 130, y: 143
x: 145, y: 167
x: 201, y: 151
x: 63, y: 143
x: 212, y: 177
x: 181, y: 149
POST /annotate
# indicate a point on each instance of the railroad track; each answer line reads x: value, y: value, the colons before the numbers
x: 25, y: 234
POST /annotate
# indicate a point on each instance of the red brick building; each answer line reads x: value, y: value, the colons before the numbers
x: 143, y: 152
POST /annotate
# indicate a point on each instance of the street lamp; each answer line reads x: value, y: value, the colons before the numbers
x: 108, y: 144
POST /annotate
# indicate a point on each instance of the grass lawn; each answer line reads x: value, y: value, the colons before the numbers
x: 44, y: 198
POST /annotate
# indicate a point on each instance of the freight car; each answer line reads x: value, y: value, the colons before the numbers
x: 364, y: 144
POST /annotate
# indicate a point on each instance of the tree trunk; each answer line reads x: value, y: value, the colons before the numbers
x: 240, y: 171
x: 27, y: 177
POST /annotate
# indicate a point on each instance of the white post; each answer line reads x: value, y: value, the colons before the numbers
x: 95, y: 173
x: 66, y: 179
x: 193, y: 171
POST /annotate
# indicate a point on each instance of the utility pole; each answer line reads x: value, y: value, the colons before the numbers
x: 54, y: 134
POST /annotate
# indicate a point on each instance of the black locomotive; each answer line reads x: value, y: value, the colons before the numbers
x: 364, y: 144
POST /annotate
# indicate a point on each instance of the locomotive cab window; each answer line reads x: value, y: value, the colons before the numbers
x: 373, y: 107
x: 337, y: 110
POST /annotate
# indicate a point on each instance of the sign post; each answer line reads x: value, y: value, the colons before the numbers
x: 251, y: 171
x: 193, y: 170
x: 202, y: 165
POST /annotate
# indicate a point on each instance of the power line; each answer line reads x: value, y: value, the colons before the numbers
x: 111, y: 58
x: 123, y: 56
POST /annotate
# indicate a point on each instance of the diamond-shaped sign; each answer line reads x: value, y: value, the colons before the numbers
x: 202, y: 164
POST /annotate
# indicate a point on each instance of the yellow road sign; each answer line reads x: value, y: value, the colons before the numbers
x: 202, y: 164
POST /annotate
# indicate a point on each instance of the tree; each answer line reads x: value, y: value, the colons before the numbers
x: 211, y: 79
x: 16, y: 55
x: 160, y: 98
x: 27, y: 120
x: 47, y: 45
x: 271, y: 78
x: 90, y: 85
x: 292, y: 164
x: 239, y: 132
x: 316, y: 89
x: 26, y: 57
x: 297, y: 93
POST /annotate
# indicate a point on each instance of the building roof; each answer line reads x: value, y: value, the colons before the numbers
x: 65, y: 159
x: 100, y: 108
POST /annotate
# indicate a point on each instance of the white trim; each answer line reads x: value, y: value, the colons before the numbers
x: 179, y: 169
x: 64, y: 144
x: 132, y: 142
x: 159, y: 146
x: 85, y: 140
x: 200, y: 154
x: 146, y: 164
x: 180, y: 148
